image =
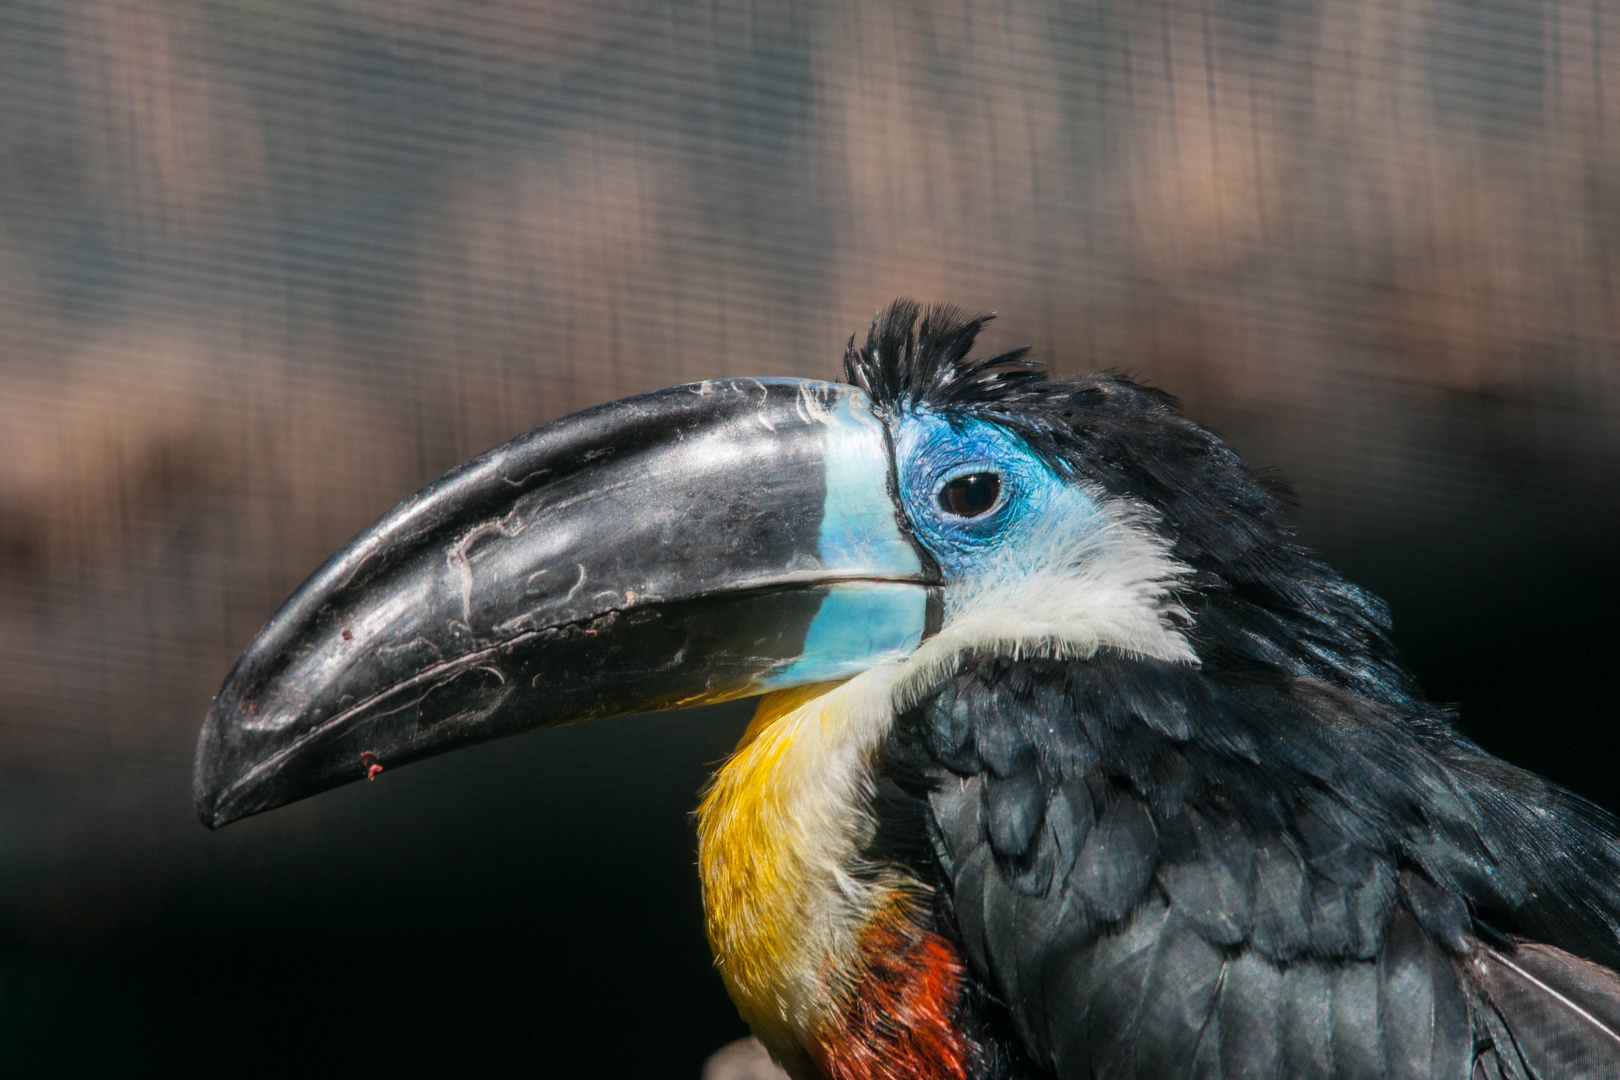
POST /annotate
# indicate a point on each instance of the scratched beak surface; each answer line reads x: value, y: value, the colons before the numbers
x: 691, y: 545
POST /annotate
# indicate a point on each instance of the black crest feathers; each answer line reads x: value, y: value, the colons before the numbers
x: 906, y: 363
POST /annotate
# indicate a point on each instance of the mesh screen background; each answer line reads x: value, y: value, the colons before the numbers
x: 266, y: 267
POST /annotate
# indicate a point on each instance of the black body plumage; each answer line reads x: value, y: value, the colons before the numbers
x: 1281, y: 863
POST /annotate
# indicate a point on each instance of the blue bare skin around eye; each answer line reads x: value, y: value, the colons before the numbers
x: 1035, y: 507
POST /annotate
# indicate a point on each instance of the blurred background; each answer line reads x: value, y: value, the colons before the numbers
x: 267, y: 266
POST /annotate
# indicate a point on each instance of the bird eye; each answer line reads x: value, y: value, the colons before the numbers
x: 971, y: 495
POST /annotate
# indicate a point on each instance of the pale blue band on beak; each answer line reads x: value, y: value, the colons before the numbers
x: 860, y: 525
x: 860, y: 624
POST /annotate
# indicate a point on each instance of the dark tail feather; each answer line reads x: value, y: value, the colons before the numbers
x: 1561, y: 1014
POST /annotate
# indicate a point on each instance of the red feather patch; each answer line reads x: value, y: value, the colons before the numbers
x: 900, y: 1024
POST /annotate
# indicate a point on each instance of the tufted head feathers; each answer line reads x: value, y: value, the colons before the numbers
x: 1257, y: 598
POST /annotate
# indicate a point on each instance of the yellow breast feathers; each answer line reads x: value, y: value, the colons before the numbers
x: 780, y: 831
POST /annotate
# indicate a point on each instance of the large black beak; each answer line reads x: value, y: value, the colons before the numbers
x: 691, y: 545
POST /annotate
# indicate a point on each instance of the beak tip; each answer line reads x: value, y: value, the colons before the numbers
x: 215, y: 807
x: 206, y: 799
x: 211, y: 782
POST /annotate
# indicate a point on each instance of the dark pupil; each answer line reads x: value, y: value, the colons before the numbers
x: 970, y: 496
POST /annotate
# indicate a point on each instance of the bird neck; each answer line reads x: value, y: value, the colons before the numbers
x: 824, y: 953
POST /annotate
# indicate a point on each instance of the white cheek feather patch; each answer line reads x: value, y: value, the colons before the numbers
x: 1104, y: 580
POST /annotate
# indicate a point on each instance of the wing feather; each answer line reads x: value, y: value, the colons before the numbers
x: 1561, y: 1013
x: 1421, y: 1007
x: 1159, y: 875
x: 1251, y: 1018
x: 1358, y: 1042
x: 1179, y: 995
x: 1307, y: 1022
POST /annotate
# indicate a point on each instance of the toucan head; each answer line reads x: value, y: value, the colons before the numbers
x: 732, y: 537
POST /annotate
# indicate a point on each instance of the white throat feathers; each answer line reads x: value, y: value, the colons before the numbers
x: 1110, y: 584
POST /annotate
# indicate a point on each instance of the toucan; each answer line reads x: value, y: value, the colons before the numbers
x: 1069, y: 761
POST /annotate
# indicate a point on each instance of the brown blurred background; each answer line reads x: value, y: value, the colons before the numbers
x: 266, y: 266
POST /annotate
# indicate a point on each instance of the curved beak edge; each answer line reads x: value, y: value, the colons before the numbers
x: 693, y: 545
